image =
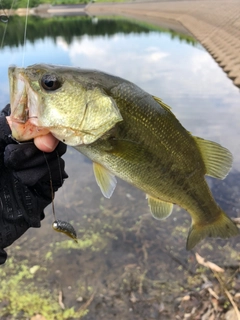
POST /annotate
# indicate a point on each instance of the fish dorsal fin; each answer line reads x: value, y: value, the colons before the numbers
x: 218, y: 160
x: 159, y: 209
x: 163, y: 105
x: 105, y: 180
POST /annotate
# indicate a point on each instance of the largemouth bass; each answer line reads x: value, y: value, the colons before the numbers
x: 128, y: 133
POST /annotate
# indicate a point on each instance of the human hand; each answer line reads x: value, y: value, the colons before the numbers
x: 25, y: 182
x: 46, y: 143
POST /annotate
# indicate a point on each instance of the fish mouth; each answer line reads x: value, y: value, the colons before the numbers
x: 23, y: 120
x: 18, y: 96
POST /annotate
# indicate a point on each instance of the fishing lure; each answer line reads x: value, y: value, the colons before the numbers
x: 65, y: 227
x: 59, y: 225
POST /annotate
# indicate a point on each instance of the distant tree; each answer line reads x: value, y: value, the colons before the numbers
x: 35, y: 3
x: 5, y: 4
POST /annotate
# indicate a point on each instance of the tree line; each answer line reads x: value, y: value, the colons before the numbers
x: 7, y: 4
x: 69, y: 27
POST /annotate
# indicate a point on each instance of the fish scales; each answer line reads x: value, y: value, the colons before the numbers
x: 146, y: 113
x: 165, y: 179
x: 128, y: 133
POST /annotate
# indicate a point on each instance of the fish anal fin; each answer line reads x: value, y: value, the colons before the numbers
x: 218, y: 160
x: 105, y: 179
x: 223, y: 228
x: 159, y: 209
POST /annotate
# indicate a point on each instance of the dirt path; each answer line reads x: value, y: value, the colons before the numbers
x: 215, y: 24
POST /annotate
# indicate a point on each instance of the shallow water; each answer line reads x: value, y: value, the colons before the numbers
x: 118, y: 237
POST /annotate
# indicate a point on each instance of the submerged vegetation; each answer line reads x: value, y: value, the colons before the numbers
x: 22, y: 295
x: 118, y: 268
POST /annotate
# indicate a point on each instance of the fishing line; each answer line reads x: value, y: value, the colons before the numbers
x: 51, y: 186
x: 59, y: 167
x: 59, y: 225
x: 5, y: 19
x: 61, y: 179
x: 25, y: 34
x: 4, y: 34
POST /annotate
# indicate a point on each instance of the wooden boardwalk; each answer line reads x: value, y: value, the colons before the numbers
x: 215, y: 24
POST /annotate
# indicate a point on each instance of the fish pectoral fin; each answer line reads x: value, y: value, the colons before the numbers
x: 223, y: 227
x: 159, y: 209
x: 105, y: 180
x: 218, y: 160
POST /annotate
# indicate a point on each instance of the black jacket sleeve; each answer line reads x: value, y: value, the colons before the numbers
x: 25, y: 175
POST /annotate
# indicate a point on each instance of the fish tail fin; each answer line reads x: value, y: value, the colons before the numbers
x: 223, y: 227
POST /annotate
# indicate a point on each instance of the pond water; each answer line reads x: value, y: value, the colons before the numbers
x: 126, y: 263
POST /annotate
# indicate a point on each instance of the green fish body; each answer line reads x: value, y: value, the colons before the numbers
x: 128, y: 133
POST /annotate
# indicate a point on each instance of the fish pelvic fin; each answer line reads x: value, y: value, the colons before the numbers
x: 223, y: 228
x: 160, y: 209
x: 105, y: 180
x: 217, y: 159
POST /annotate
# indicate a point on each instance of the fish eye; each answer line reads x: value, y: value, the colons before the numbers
x: 50, y: 82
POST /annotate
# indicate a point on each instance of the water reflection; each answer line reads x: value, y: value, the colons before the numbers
x: 123, y: 250
x: 69, y: 27
x: 184, y: 76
